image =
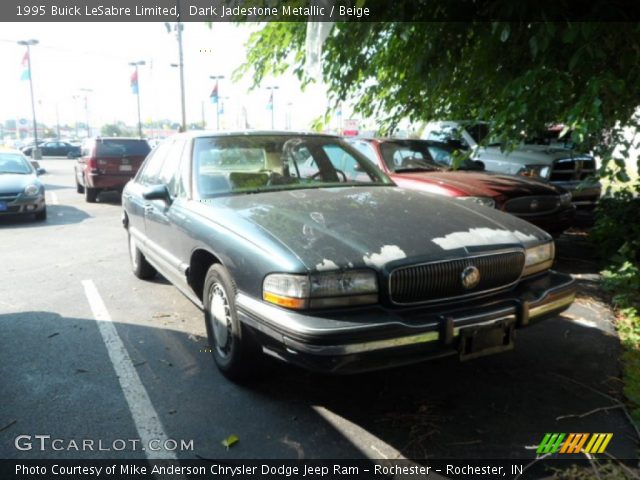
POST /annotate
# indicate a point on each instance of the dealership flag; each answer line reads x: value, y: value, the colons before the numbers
x: 134, y: 82
x: 214, y: 93
x: 270, y: 104
x: 26, y: 71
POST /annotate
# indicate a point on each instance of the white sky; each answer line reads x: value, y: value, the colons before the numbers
x: 75, y: 56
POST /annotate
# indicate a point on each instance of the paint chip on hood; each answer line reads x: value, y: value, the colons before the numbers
x: 326, y: 265
x: 387, y: 254
x: 481, y: 236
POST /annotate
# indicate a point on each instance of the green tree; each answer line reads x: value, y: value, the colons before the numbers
x: 522, y: 75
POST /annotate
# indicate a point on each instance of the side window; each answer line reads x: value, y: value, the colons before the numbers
x: 150, y: 173
x: 170, y: 172
x: 367, y: 150
x: 344, y: 162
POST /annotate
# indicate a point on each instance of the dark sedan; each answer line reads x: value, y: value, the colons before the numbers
x: 55, y: 149
x: 21, y: 192
x: 296, y: 246
x: 425, y: 165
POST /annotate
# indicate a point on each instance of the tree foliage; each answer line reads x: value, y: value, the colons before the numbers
x: 520, y: 74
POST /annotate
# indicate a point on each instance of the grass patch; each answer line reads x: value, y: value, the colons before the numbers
x: 624, y: 282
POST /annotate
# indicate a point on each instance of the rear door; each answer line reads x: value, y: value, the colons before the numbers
x: 121, y: 157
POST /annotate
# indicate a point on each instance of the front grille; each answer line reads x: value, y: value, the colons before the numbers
x: 436, y: 281
x: 532, y: 205
x: 573, y: 169
x: 9, y: 196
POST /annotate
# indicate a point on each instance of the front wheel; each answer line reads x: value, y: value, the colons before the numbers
x: 139, y: 265
x: 234, y: 350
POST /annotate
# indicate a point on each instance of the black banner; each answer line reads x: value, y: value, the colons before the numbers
x: 317, y: 10
x: 312, y: 469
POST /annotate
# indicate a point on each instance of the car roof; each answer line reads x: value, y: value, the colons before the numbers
x: 250, y: 133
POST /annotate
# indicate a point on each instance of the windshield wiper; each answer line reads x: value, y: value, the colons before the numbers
x: 417, y: 169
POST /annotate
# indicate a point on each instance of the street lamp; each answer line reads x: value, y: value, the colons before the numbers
x: 137, y: 92
x: 178, y: 29
x: 35, y: 153
x: 271, y: 104
x: 217, y: 78
x: 86, y: 108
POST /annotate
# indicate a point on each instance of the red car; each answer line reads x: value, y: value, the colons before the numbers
x: 425, y: 165
x: 108, y: 164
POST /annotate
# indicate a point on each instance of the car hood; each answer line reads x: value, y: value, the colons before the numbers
x: 527, y: 154
x: 15, y: 183
x: 484, y: 184
x: 377, y: 227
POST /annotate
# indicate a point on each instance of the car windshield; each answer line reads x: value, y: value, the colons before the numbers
x: 14, y: 163
x: 408, y: 156
x: 259, y: 163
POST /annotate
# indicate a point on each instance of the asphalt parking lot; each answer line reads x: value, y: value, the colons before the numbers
x: 65, y: 278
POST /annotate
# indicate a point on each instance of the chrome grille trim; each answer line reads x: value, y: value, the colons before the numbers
x: 439, y: 281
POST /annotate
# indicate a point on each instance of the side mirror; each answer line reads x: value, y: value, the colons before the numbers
x: 40, y: 171
x: 157, y: 192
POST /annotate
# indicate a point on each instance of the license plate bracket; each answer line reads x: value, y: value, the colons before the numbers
x: 478, y: 341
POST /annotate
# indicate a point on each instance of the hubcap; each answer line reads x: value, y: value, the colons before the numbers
x: 220, y: 318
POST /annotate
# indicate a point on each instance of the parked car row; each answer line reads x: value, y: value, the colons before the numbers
x: 558, y: 165
x: 301, y: 247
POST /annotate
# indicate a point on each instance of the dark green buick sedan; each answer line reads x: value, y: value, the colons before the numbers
x: 296, y: 246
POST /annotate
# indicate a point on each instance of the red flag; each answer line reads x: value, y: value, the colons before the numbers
x: 134, y: 81
x: 26, y: 72
x: 214, y: 93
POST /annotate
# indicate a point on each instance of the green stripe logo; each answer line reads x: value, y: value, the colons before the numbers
x: 551, y: 443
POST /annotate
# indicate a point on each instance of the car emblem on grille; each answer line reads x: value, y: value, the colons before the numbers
x: 470, y: 277
x: 534, y: 205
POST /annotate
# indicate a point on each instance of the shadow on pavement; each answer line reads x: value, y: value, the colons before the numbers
x: 56, y: 215
x: 58, y: 380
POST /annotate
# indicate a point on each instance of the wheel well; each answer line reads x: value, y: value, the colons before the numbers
x: 199, y: 265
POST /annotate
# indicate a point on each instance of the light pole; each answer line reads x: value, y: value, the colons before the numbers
x: 35, y: 153
x: 271, y: 104
x: 86, y: 108
x: 137, y: 92
x: 217, y: 78
x: 178, y: 29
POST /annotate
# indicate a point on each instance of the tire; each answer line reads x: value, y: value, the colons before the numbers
x: 234, y: 350
x: 139, y: 265
x: 91, y: 194
x: 79, y: 188
x: 41, y: 216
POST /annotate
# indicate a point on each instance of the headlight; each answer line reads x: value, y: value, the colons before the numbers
x: 535, y: 171
x: 321, y: 290
x: 565, y: 199
x: 538, y: 258
x: 31, y: 190
x: 485, y: 201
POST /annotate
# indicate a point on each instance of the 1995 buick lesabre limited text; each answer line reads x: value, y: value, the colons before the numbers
x: 296, y: 246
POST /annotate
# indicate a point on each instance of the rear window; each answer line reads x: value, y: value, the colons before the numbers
x: 122, y: 148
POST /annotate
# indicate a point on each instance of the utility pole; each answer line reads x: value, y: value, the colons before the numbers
x: 35, y: 153
x: 86, y: 108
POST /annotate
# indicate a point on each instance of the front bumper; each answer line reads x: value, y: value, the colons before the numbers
x: 554, y: 223
x: 23, y: 205
x: 583, y: 194
x: 376, y: 337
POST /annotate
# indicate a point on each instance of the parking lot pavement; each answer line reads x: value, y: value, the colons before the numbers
x: 90, y: 352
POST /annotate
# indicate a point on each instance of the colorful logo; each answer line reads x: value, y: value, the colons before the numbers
x: 574, y: 443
